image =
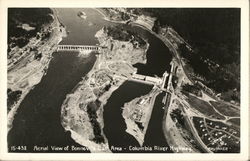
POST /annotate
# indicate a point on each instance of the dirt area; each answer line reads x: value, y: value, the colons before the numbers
x: 204, y: 107
x: 28, y: 70
x: 82, y: 110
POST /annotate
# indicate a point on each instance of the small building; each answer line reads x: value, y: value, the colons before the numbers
x: 142, y: 101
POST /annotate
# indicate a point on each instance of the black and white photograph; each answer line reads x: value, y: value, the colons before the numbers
x: 124, y: 80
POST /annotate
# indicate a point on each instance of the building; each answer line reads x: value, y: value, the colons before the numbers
x: 153, y: 80
x: 137, y: 76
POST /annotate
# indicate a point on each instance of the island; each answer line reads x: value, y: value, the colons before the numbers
x: 192, y: 118
x: 82, y: 111
x: 197, y: 91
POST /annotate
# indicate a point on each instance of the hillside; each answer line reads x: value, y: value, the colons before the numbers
x: 33, y: 35
x: 214, y: 35
x: 24, y: 23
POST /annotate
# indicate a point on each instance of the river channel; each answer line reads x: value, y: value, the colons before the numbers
x: 37, y: 122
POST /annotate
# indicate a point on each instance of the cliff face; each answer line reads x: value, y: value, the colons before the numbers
x: 82, y: 111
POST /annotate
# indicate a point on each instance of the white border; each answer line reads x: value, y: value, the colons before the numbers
x: 243, y: 4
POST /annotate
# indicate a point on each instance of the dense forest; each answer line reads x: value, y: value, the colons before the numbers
x: 34, y: 18
x: 214, y: 34
x: 23, y: 24
x: 120, y: 32
x: 92, y: 107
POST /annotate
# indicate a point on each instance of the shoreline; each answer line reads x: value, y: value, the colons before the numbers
x: 168, y: 46
x: 105, y: 17
x: 88, y: 90
x: 39, y: 68
x: 132, y: 127
x: 89, y: 83
x: 170, y: 131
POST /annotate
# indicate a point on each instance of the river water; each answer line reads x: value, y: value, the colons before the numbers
x: 37, y: 122
x: 155, y: 135
x: 158, y: 55
x: 114, y: 124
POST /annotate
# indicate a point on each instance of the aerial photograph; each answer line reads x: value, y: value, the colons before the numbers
x: 123, y: 80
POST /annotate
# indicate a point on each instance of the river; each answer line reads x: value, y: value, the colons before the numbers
x: 37, y: 121
x: 155, y: 135
x: 158, y: 55
x: 114, y: 124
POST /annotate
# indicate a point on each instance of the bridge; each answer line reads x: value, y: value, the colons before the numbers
x: 78, y: 48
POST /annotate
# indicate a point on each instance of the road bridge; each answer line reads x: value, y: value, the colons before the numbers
x: 78, y: 48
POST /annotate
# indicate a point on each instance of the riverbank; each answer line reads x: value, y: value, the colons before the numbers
x: 29, y: 71
x: 173, y: 134
x: 107, y: 18
x: 112, y: 67
x: 129, y: 108
x: 137, y: 114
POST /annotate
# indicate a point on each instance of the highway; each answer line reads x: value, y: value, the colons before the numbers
x: 168, y: 103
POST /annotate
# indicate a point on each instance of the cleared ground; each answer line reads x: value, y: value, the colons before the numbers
x: 225, y: 109
x: 235, y: 121
x: 204, y: 107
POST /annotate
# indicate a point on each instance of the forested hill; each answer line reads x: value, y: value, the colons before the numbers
x: 198, y: 25
x: 24, y: 23
x: 214, y: 34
